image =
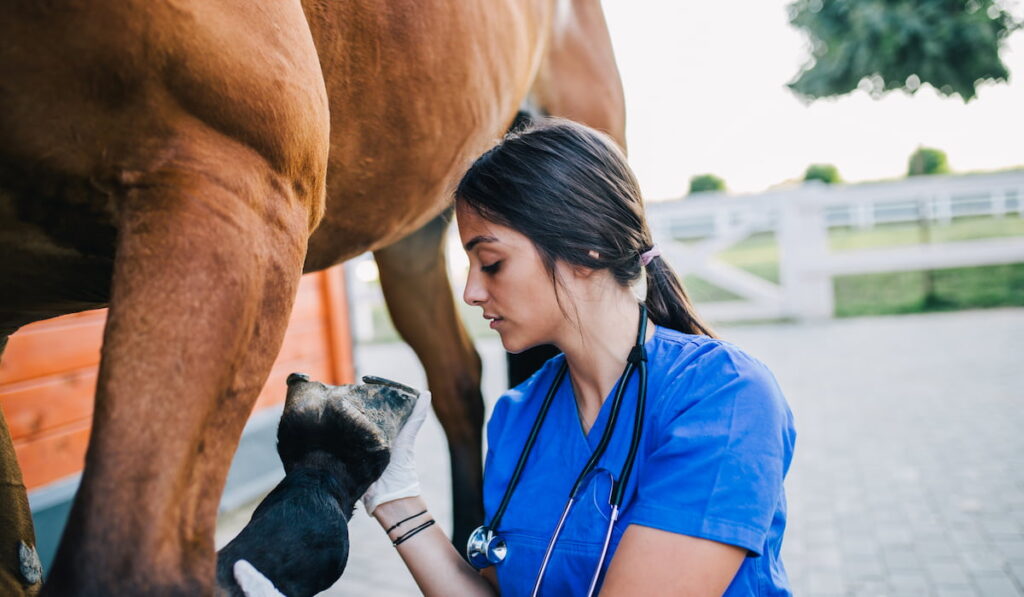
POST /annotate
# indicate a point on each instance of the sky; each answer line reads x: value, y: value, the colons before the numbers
x: 705, y: 92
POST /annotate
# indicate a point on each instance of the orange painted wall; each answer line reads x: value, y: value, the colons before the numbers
x: 48, y: 374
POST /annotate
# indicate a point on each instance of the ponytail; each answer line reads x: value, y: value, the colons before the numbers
x: 667, y: 301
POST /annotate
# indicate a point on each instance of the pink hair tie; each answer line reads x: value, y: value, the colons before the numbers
x: 649, y: 254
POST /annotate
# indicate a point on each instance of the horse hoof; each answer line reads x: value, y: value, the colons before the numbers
x: 355, y: 423
x: 294, y: 378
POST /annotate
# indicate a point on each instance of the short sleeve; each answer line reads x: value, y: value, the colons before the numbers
x: 494, y: 427
x: 722, y: 439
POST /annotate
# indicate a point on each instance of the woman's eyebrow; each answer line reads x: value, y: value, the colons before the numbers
x: 476, y: 240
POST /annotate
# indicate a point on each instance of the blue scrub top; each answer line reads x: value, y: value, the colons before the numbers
x: 717, y: 443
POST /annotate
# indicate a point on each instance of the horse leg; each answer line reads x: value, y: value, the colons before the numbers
x: 414, y: 278
x: 578, y: 77
x: 19, y: 565
x: 209, y: 256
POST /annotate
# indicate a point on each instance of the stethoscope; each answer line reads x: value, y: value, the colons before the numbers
x: 487, y: 547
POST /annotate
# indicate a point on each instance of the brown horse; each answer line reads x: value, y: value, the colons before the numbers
x: 185, y: 163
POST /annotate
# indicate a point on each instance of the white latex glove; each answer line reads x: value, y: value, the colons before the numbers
x: 399, y: 479
x: 252, y: 582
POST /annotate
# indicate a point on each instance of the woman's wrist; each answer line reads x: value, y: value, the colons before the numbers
x: 390, y: 513
x: 433, y: 561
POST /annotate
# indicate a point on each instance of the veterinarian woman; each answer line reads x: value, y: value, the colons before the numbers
x: 690, y: 480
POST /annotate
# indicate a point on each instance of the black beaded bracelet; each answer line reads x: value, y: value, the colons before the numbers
x: 399, y: 523
x: 412, y: 532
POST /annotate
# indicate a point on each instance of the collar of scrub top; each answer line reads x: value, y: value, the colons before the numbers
x: 487, y: 547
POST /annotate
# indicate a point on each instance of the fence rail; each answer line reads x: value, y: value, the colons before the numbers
x: 938, y: 199
x: 801, y: 218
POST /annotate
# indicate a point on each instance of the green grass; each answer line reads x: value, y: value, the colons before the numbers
x: 953, y: 289
x: 890, y: 235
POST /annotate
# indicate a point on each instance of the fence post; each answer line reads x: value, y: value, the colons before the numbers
x: 998, y: 204
x: 942, y: 208
x: 803, y: 253
x: 865, y: 215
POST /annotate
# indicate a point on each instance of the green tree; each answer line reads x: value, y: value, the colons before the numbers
x: 826, y: 173
x: 706, y: 182
x: 881, y: 45
x: 927, y: 160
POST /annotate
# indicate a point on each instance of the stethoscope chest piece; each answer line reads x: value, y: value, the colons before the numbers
x: 485, y: 548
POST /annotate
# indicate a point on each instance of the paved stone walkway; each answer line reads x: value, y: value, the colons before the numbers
x: 908, y: 477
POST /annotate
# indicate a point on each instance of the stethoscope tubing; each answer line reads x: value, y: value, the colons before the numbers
x: 551, y: 546
x: 604, y: 550
x: 530, y: 440
x: 619, y: 490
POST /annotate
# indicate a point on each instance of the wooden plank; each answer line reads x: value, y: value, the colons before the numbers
x: 308, y: 300
x: 35, y: 406
x: 336, y: 326
x: 274, y: 390
x: 41, y: 350
x: 53, y: 456
x: 70, y: 319
x: 305, y: 340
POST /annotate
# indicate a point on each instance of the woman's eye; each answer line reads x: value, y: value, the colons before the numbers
x: 492, y: 268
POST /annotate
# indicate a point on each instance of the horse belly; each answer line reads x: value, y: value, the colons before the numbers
x: 416, y: 91
x: 55, y: 261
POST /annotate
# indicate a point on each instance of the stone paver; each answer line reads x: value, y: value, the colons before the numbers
x: 908, y: 477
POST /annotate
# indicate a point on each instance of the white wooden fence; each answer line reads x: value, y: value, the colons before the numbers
x: 800, y: 218
x: 694, y: 230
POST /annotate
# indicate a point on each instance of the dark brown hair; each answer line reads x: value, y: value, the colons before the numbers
x: 569, y: 189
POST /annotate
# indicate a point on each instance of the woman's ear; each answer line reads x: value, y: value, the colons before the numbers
x: 582, y: 271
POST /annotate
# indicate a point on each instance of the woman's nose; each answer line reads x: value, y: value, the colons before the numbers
x: 474, y: 294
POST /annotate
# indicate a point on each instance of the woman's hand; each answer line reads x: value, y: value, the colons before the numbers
x: 399, y: 479
x: 429, y: 554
